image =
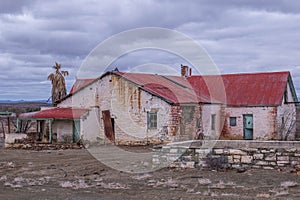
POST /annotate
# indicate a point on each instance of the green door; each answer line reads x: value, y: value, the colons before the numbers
x: 76, y: 130
x: 248, y: 127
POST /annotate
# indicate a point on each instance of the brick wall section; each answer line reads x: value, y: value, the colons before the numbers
x: 231, y: 154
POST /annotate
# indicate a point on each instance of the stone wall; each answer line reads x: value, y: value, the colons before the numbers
x: 230, y: 154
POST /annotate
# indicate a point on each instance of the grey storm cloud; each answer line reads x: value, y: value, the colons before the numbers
x: 240, y: 36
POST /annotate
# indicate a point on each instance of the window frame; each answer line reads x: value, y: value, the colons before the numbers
x: 152, y: 120
x: 213, y: 122
x: 231, y: 122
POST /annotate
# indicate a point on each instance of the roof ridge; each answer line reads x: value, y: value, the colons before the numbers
x: 243, y: 73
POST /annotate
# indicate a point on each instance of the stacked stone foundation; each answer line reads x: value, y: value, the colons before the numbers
x: 230, y: 155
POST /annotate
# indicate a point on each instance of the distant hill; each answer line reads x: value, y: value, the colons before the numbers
x: 25, y: 101
x: 22, y: 106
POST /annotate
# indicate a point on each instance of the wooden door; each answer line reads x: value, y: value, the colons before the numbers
x: 248, y: 127
x: 108, y: 125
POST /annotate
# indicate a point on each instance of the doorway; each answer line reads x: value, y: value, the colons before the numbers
x: 108, y: 125
x: 76, y: 130
x: 248, y: 127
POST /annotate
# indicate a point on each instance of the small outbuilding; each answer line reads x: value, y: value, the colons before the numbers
x: 58, y: 124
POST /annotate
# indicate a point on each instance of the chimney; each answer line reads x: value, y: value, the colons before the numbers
x: 185, y: 72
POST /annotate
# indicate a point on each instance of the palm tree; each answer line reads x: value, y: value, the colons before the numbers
x: 58, y: 83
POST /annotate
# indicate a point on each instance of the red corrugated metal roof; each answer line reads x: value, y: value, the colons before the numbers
x: 57, y: 113
x: 163, y: 87
x: 240, y: 89
x: 247, y: 89
x: 80, y: 83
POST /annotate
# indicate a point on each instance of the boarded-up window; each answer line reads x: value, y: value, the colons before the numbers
x: 232, y: 121
x: 152, y: 120
x: 213, y: 122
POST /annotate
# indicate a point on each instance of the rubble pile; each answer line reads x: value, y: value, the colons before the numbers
x: 31, y: 144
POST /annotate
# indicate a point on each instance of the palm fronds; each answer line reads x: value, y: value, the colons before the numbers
x: 58, y: 83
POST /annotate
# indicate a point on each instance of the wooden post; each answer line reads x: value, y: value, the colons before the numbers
x: 50, y: 131
x: 18, y: 126
x: 8, y: 122
x: 37, y: 126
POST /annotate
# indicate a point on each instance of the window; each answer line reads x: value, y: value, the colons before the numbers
x: 213, y: 122
x: 152, y: 120
x: 232, y: 121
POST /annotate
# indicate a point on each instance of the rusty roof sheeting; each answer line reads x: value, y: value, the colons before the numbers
x: 55, y: 113
x: 249, y: 89
x: 163, y: 87
x: 253, y: 89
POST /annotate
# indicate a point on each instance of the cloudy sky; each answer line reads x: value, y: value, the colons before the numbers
x: 239, y: 36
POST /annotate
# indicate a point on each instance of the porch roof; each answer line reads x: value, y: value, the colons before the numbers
x: 55, y: 113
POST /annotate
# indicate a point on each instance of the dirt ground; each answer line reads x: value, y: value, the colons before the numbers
x: 75, y: 174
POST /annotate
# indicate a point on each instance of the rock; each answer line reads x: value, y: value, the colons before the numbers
x: 262, y: 163
x: 264, y: 195
x: 246, y: 159
x: 283, y: 158
x: 283, y: 162
x: 237, y: 152
x: 218, y: 151
x: 271, y: 158
x: 267, y: 167
x: 258, y: 156
x: 241, y: 170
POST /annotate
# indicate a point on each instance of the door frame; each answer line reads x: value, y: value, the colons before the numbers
x: 247, y: 129
x: 76, y: 130
x: 108, y: 125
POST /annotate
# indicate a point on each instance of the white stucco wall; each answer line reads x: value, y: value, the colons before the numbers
x: 267, y: 120
x: 286, y: 117
x: 289, y: 94
x: 207, y: 111
x: 63, y: 129
x: 264, y: 122
x: 90, y: 128
x: 286, y: 122
x: 84, y: 98
x: 128, y: 106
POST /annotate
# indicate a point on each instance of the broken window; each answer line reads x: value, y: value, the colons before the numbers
x: 213, y: 122
x: 232, y: 121
x: 152, y: 120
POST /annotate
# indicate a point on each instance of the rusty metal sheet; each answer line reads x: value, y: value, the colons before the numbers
x: 58, y: 113
x: 255, y: 89
x: 252, y: 89
x: 162, y: 87
x: 108, y: 128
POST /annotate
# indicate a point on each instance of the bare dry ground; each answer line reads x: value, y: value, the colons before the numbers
x: 75, y: 174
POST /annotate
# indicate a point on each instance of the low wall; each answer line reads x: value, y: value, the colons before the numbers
x: 230, y: 154
x: 11, y: 138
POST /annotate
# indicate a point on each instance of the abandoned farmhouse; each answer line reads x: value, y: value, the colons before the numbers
x: 148, y: 108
